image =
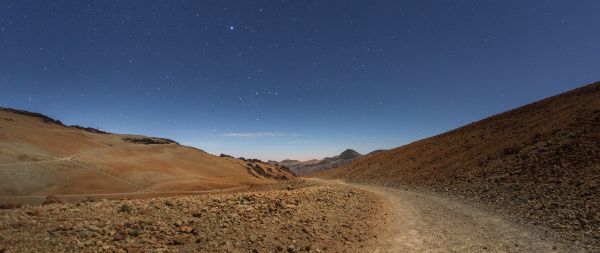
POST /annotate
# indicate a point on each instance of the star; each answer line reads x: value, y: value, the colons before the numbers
x: 231, y: 28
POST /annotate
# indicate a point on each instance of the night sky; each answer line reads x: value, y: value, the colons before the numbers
x: 291, y: 79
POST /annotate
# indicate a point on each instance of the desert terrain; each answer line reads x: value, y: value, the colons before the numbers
x: 522, y: 181
x: 39, y: 156
x: 538, y: 164
x: 296, y: 216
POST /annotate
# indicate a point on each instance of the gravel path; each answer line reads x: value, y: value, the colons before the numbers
x: 423, y: 222
x: 300, y: 216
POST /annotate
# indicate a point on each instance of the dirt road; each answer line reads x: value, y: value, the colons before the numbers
x: 423, y: 222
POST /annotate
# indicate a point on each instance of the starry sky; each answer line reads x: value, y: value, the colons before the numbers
x: 291, y: 79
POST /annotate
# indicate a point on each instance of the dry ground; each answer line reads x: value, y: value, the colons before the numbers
x: 301, y: 217
x: 40, y: 156
x: 312, y: 215
x: 428, y: 222
x: 539, y: 163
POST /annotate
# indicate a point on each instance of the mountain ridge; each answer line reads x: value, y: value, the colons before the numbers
x: 314, y: 165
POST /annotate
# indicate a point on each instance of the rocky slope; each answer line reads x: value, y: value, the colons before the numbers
x: 294, y: 217
x: 539, y: 163
x: 41, y: 156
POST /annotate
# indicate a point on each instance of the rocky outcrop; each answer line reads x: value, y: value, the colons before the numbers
x: 149, y: 140
x: 50, y: 120
x: 40, y: 116
x: 90, y: 129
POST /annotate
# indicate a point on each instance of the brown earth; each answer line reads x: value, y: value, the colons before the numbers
x: 296, y: 216
x: 538, y: 164
x: 40, y: 156
x: 521, y: 181
x: 293, y: 217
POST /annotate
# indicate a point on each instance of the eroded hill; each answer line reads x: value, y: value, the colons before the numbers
x: 539, y: 163
x: 40, y: 156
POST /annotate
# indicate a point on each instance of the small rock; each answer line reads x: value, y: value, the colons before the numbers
x: 179, y: 240
x: 134, y: 232
x: 67, y: 226
x: 134, y: 250
x: 280, y: 203
x: 291, y: 249
x: 119, y: 236
x: 51, y: 199
x: 33, y: 212
x: 144, y: 211
x: 125, y: 208
x: 178, y: 223
x: 252, y: 238
x: 186, y: 229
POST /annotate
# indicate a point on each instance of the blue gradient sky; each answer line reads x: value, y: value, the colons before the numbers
x: 291, y: 79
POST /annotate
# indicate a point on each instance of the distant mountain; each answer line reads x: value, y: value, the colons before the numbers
x: 348, y: 154
x: 307, y: 167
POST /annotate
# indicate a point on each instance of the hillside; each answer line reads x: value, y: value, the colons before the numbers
x: 539, y: 163
x: 40, y: 156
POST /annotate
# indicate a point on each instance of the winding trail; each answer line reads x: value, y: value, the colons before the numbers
x: 423, y: 222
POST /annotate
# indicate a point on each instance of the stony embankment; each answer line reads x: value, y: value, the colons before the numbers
x: 297, y: 218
